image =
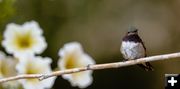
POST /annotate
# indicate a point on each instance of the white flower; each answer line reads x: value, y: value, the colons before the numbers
x: 35, y: 65
x: 2, y: 58
x: 7, y: 69
x: 72, y: 56
x: 24, y: 39
x: 11, y: 85
x: 7, y: 66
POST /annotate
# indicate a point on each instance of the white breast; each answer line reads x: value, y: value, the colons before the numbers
x: 132, y: 50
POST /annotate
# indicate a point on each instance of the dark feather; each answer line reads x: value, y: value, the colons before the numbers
x: 150, y: 67
x: 133, y: 37
x: 147, y: 66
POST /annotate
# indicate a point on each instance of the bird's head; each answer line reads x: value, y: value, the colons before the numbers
x: 132, y: 30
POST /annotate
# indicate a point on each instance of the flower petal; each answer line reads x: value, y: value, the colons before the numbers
x: 73, y: 56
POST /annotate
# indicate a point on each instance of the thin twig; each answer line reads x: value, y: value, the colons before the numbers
x: 93, y: 67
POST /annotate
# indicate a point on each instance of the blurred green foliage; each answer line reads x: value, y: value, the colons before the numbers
x: 7, y: 10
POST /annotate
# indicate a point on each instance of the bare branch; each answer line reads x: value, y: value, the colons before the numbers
x: 93, y: 67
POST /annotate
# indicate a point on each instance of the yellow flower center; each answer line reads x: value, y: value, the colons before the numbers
x: 3, y: 69
x: 33, y: 69
x: 24, y: 41
x: 72, y: 62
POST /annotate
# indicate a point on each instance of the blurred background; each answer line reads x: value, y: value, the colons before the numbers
x: 99, y: 26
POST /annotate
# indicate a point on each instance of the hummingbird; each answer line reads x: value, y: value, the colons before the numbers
x: 133, y: 47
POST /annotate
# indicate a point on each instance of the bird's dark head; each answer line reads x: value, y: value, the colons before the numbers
x: 132, y: 30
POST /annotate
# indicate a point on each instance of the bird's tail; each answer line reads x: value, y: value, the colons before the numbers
x: 150, y: 67
x: 147, y: 66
